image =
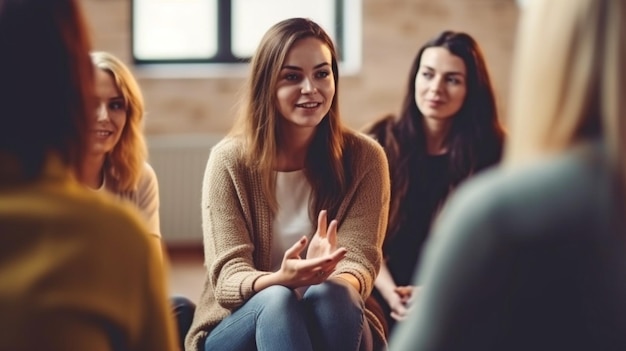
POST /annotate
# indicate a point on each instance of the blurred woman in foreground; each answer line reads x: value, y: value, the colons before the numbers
x: 532, y: 256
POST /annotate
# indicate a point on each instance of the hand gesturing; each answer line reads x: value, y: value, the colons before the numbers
x: 403, y: 300
x: 324, y: 242
x: 321, y: 258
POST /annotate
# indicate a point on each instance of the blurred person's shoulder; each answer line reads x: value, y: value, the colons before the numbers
x: 109, y: 218
x: 73, y: 226
x: 555, y: 191
x: 72, y: 247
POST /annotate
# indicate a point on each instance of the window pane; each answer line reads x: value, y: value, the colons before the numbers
x: 252, y: 18
x: 174, y: 29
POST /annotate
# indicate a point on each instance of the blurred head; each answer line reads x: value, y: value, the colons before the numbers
x: 118, y: 131
x: 44, y: 106
x: 293, y: 83
x: 569, y: 79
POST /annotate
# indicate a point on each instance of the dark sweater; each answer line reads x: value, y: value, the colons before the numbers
x: 528, y: 260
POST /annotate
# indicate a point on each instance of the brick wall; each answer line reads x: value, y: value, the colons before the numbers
x: 393, y: 30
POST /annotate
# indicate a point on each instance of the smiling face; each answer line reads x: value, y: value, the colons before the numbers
x: 440, y: 85
x: 110, y: 114
x: 306, y: 85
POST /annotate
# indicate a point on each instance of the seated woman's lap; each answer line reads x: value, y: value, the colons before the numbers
x: 277, y: 318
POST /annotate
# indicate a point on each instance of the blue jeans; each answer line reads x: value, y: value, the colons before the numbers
x: 184, y: 310
x: 328, y: 317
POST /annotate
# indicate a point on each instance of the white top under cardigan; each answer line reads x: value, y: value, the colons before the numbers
x: 292, y: 221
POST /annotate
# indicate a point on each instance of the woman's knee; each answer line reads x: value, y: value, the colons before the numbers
x: 333, y: 300
x: 335, y: 312
x: 334, y: 292
x: 275, y: 298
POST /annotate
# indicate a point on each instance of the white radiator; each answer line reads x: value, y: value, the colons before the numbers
x: 179, y: 162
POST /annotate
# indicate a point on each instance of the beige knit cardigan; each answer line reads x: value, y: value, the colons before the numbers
x: 237, y: 221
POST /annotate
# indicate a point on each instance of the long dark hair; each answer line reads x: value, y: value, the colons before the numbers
x: 46, y: 80
x: 475, y: 137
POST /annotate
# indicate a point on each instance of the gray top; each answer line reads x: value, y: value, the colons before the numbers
x: 533, y: 259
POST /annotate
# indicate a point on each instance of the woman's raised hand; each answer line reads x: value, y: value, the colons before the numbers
x: 296, y: 272
x: 324, y: 242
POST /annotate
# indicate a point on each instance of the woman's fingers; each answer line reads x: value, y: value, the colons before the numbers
x: 295, y: 249
x: 404, y: 291
x: 322, y: 223
x: 302, y: 272
x: 331, y: 233
x: 326, y: 264
x: 398, y: 310
x: 339, y: 254
x: 398, y: 316
x: 332, y: 258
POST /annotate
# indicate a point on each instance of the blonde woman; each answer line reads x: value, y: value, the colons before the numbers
x: 116, y: 160
x: 532, y: 256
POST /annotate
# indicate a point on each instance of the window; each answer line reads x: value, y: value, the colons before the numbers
x: 226, y: 32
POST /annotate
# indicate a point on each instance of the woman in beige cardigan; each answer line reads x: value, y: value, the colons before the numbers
x: 280, y: 276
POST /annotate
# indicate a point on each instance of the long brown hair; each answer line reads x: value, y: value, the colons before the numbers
x: 44, y: 106
x: 258, y: 118
x: 475, y: 138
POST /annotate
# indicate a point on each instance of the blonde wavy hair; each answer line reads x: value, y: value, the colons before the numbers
x: 124, y: 164
x: 569, y: 79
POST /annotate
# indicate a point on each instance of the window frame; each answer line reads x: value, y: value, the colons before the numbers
x: 226, y: 61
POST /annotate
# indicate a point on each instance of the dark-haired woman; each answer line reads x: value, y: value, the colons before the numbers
x: 447, y: 130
